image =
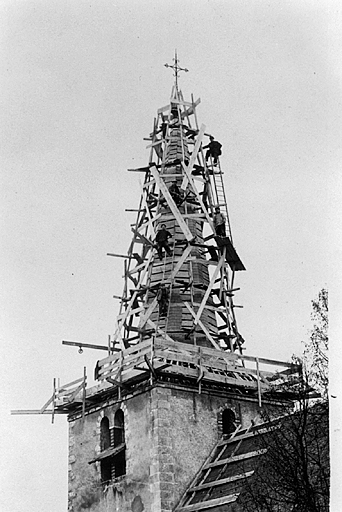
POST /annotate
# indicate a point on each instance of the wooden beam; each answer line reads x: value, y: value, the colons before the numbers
x: 207, y: 293
x: 147, y: 184
x: 150, y: 224
x: 215, y: 483
x: 119, y: 255
x: 144, y: 202
x: 84, y: 384
x: 235, y: 458
x: 262, y: 360
x: 115, y: 382
x: 75, y: 392
x: 180, y: 263
x: 17, y: 412
x: 191, y: 109
x: 209, y: 503
x: 156, y: 142
x: 72, y: 383
x: 84, y: 345
x: 160, y: 331
x: 193, y: 156
x: 139, y: 169
x: 150, y: 366
x: 142, y: 238
x: 182, y: 224
x: 161, y: 110
x: 204, y: 329
x: 135, y: 269
x: 109, y: 452
x: 45, y: 406
x: 148, y: 312
x: 199, y: 199
x: 258, y: 378
x: 132, y: 312
x: 134, y: 295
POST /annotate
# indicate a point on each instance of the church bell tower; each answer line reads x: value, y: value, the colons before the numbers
x: 175, y: 380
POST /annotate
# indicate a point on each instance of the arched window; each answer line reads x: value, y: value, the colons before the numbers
x: 105, y: 434
x: 119, y: 442
x: 106, y: 466
x: 119, y: 428
x: 228, y: 422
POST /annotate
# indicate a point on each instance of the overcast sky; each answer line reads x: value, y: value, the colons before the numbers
x: 81, y: 82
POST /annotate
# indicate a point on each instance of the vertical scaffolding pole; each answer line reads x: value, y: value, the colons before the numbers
x: 53, y: 400
x: 258, y: 377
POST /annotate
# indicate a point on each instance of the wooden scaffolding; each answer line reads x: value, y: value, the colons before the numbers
x: 199, y: 275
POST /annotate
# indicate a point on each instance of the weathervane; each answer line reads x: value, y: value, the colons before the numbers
x: 176, y: 68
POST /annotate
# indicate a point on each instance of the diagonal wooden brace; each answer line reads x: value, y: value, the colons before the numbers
x: 181, y: 222
x: 207, y: 293
x: 193, y: 156
x: 204, y: 329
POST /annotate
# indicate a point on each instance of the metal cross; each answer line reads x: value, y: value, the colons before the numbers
x: 176, y: 68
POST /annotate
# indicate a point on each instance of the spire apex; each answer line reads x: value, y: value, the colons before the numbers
x: 176, y: 69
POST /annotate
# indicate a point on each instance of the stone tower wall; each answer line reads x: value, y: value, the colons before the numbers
x: 169, y: 433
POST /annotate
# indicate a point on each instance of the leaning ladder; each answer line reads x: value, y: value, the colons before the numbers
x: 220, y: 194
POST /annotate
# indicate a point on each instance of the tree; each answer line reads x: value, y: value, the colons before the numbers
x: 316, y: 349
x: 292, y: 472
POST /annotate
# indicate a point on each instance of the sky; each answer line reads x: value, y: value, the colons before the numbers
x: 81, y: 82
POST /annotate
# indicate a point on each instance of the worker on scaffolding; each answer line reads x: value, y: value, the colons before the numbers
x: 214, y: 149
x: 219, y: 222
x: 205, y: 194
x: 163, y: 127
x: 174, y: 114
x: 176, y: 193
x: 161, y: 238
x: 163, y: 300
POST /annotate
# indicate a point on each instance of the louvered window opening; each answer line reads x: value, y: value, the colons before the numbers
x: 113, y: 466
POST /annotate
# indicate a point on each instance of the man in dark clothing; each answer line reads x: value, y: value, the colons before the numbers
x: 204, y: 195
x: 163, y: 300
x: 176, y: 193
x: 219, y: 222
x: 214, y: 149
x: 162, y: 237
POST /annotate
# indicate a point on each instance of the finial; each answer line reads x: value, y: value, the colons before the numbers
x: 176, y: 68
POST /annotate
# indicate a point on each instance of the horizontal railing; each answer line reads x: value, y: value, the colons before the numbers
x: 201, y: 363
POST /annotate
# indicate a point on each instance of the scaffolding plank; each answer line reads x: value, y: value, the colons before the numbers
x: 231, y: 255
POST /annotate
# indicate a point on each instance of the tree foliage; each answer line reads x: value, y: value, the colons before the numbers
x: 293, y: 473
x: 316, y: 349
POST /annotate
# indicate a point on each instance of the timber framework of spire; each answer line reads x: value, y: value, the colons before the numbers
x: 176, y: 318
x: 182, y: 191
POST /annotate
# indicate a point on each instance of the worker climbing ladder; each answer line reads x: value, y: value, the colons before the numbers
x: 220, y: 195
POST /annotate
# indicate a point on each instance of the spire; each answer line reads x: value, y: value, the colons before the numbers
x: 176, y: 69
